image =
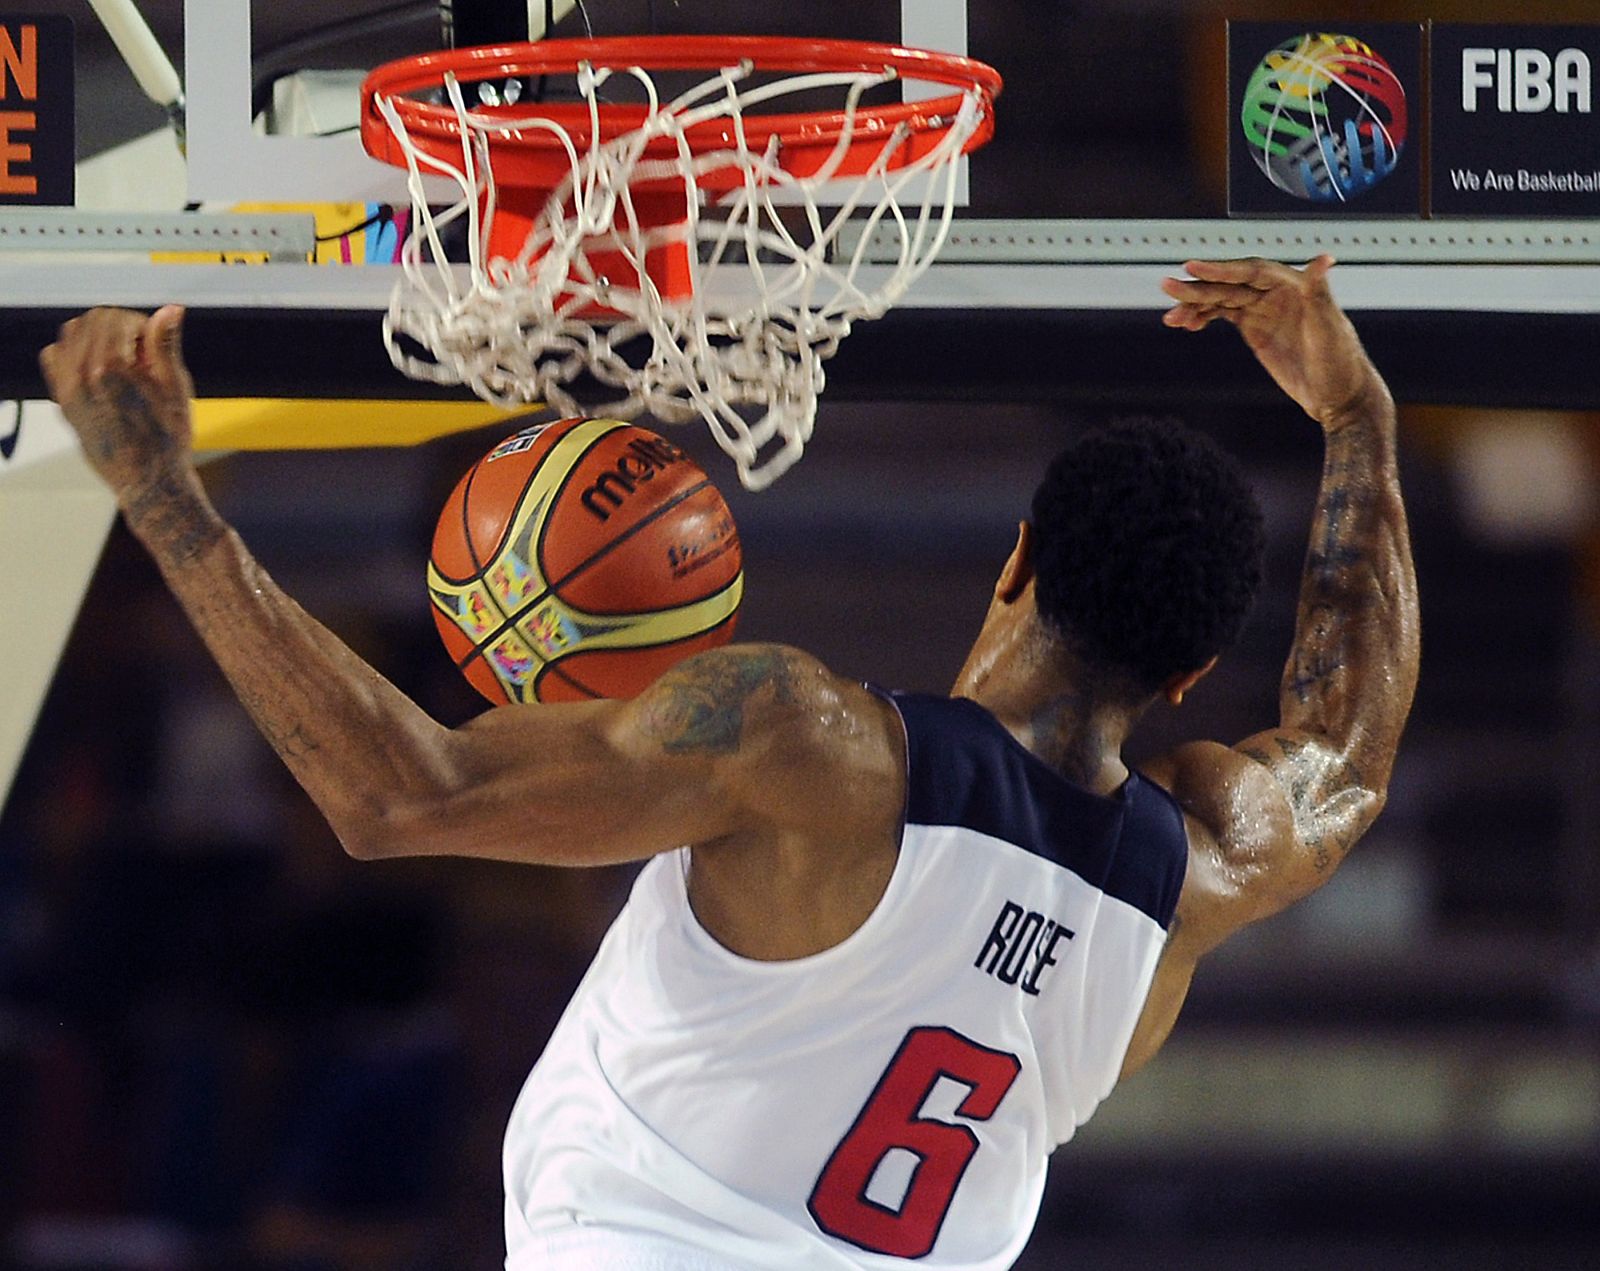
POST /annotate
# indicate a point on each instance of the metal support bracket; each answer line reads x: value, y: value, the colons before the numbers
x: 1391, y: 242
x: 283, y: 236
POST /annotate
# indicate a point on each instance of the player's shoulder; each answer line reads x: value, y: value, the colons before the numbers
x: 1238, y: 824
x: 779, y: 674
x: 764, y: 700
x: 771, y: 731
x: 1217, y: 786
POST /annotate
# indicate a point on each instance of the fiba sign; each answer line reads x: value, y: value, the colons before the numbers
x: 1514, y: 125
x: 1527, y: 81
x: 1321, y: 119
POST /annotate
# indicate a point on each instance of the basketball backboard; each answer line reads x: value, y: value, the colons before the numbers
x: 1086, y: 195
x: 230, y: 160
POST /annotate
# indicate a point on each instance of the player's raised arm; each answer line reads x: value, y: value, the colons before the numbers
x: 714, y: 748
x: 1273, y: 817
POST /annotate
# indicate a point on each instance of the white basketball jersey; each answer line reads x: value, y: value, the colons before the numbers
x: 894, y: 1097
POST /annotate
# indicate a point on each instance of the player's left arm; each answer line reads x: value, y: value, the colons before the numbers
x: 1270, y: 819
x: 1275, y: 814
x: 726, y: 742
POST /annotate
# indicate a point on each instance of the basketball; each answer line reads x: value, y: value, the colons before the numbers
x: 580, y: 560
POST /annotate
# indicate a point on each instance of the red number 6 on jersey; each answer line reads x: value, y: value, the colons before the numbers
x: 839, y: 1202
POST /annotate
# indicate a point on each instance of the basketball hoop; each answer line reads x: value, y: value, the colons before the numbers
x: 590, y: 224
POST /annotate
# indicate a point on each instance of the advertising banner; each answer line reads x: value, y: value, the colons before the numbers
x: 1515, y: 131
x: 38, y: 124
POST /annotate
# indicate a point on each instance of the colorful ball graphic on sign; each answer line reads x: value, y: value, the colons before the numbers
x: 1325, y: 117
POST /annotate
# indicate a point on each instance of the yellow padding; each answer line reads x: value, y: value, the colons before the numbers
x: 274, y: 423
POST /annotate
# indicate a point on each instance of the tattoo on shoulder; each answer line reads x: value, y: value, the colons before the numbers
x: 700, y: 707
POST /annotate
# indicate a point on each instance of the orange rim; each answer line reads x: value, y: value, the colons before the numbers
x: 536, y: 159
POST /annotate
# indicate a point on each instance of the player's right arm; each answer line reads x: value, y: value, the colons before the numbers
x: 724, y: 746
x: 1270, y: 819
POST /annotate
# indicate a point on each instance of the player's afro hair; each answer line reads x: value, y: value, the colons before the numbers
x: 1147, y: 549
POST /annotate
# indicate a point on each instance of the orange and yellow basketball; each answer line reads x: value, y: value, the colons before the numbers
x: 581, y: 559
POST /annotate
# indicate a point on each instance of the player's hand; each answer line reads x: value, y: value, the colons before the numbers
x: 120, y: 379
x: 1292, y: 324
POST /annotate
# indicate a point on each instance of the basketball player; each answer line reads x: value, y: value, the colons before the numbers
x: 888, y: 951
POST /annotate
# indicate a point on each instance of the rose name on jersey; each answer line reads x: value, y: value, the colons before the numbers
x: 1021, y: 944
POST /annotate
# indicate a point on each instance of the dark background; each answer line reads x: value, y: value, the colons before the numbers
x: 223, y: 1044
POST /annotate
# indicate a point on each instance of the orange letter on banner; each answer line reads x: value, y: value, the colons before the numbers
x: 11, y: 182
x: 23, y: 67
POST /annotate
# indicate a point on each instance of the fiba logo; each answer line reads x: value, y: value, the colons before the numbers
x: 1324, y: 117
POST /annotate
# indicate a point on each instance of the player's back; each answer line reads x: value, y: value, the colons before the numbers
x: 895, y: 1096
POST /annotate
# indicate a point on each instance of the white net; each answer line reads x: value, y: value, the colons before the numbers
x: 769, y: 303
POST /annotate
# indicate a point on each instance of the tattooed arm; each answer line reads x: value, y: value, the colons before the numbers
x: 1270, y: 820
x: 723, y: 746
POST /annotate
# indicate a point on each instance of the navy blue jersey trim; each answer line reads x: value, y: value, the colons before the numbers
x: 965, y: 769
x: 893, y: 700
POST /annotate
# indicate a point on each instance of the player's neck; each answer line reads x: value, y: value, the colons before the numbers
x: 1046, y: 701
x: 1068, y: 730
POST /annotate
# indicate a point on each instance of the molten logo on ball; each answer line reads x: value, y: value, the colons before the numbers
x: 1325, y: 117
x: 641, y: 461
